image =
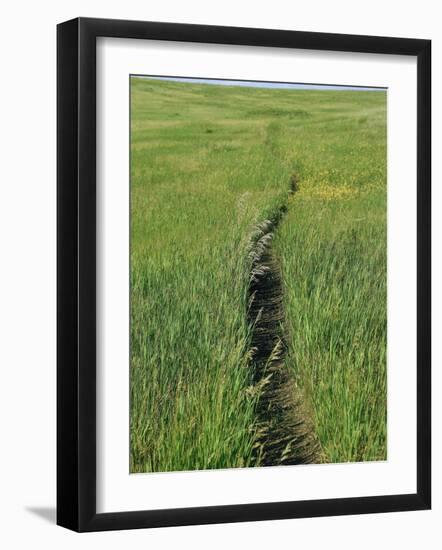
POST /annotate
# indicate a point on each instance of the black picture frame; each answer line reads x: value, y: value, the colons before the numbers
x: 76, y: 274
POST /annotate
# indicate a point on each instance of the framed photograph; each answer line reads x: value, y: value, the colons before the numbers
x: 243, y: 274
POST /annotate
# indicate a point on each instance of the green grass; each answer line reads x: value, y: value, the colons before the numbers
x: 207, y: 164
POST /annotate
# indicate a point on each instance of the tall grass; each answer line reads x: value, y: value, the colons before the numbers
x: 207, y: 164
x: 332, y: 247
x: 197, y: 191
x: 335, y: 285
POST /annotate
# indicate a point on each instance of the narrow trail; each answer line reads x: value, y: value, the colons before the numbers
x: 285, y: 431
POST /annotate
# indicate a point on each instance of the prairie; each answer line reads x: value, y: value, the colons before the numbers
x: 209, y: 163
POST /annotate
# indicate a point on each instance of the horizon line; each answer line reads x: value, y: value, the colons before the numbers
x: 262, y: 84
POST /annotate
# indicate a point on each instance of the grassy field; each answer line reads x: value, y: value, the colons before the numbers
x: 207, y: 164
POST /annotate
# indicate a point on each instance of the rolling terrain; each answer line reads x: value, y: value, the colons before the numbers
x: 210, y: 165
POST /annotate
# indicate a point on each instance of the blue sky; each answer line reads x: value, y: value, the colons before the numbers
x: 253, y: 84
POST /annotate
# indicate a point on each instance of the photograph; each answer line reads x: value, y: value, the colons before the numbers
x: 258, y: 274
x: 220, y: 247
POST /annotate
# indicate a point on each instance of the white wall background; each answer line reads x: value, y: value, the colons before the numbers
x: 27, y: 273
